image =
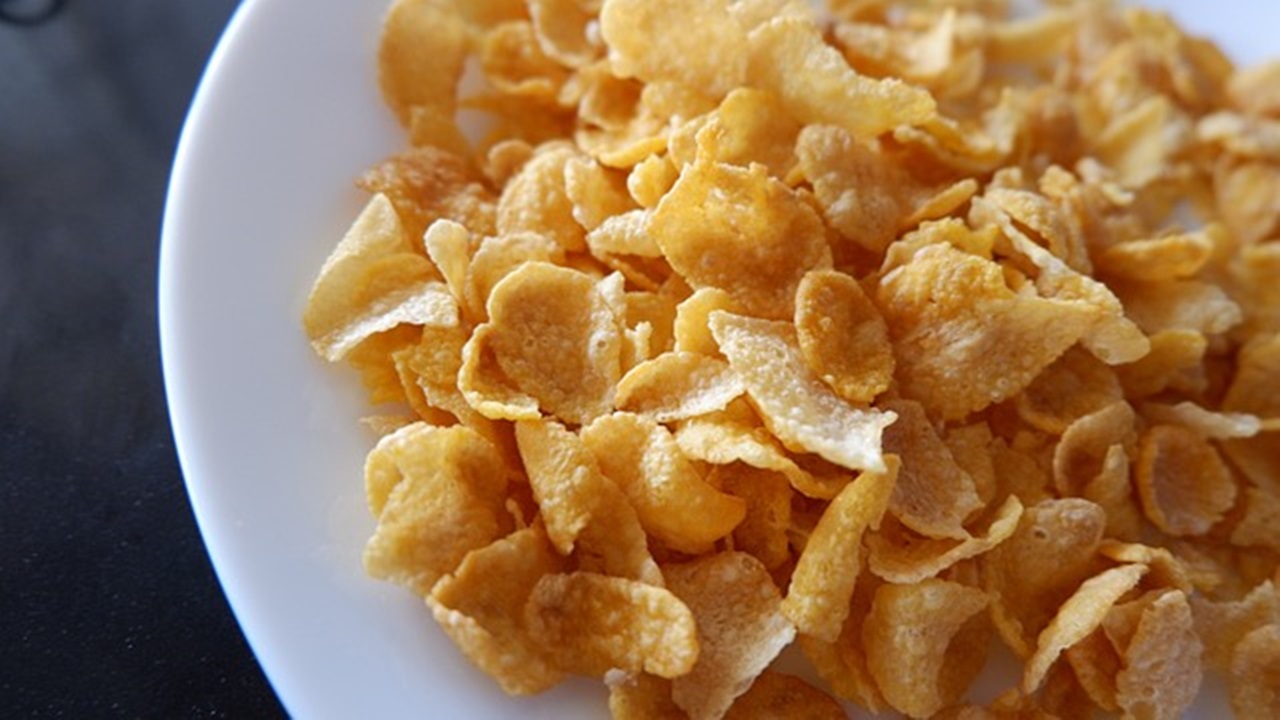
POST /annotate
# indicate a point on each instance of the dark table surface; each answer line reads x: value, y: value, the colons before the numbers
x: 108, y: 604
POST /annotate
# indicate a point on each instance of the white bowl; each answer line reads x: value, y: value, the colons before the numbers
x: 286, y: 115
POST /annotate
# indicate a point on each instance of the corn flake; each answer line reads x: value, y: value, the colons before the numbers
x: 741, y: 629
x: 437, y: 494
x: 591, y: 624
x: 798, y: 407
x: 678, y: 385
x: 1255, y: 674
x: 823, y: 582
x: 554, y: 338
x: 789, y: 58
x: 738, y: 230
x: 481, y: 607
x: 842, y: 336
x: 963, y: 339
x: 1184, y: 485
x: 775, y: 694
x: 925, y: 643
x: 674, y: 503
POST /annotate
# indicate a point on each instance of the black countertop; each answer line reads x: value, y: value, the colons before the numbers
x: 108, y: 604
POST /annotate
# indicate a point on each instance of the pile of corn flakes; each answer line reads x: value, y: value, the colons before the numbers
x: 882, y: 330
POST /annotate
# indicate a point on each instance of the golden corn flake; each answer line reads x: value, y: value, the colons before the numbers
x: 1080, y: 455
x: 722, y: 440
x: 1179, y: 305
x: 429, y: 183
x: 934, y: 495
x: 926, y: 643
x: 437, y: 494
x: 590, y: 624
x: 640, y: 696
x: 789, y: 58
x: 1248, y: 195
x: 374, y: 359
x: 536, y: 201
x: 751, y: 126
x: 1255, y: 674
x: 555, y: 338
x: 1095, y: 662
x: 513, y: 62
x: 899, y: 557
x: 373, y: 282
x: 712, y: 60
x: 1174, y: 361
x: 1034, y: 571
x: 823, y: 582
x: 1185, y: 486
x: 448, y: 244
x: 1161, y: 674
x: 866, y: 194
x: 1080, y: 615
x: 1113, y: 337
x: 584, y: 511
x: 1075, y: 385
x: 481, y: 607
x: 775, y: 695
x: 678, y: 385
x: 741, y: 231
x: 1164, y: 258
x: 1206, y: 423
x: 421, y: 55
x: 763, y: 531
x: 964, y: 340
x: 497, y: 257
x: 741, y: 629
x: 802, y: 411
x: 843, y: 664
x: 674, y: 503
x: 564, y: 32
x: 692, y: 329
x: 597, y: 193
x: 842, y: 336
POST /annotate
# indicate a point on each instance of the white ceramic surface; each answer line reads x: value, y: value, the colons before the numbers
x: 286, y: 115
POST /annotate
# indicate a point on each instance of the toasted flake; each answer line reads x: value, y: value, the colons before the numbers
x: 536, y: 201
x: 1255, y: 674
x: 1184, y: 485
x: 583, y: 510
x: 789, y: 59
x: 741, y: 629
x: 899, y: 557
x: 775, y: 695
x: 801, y: 410
x: 1080, y: 615
x: 437, y: 494
x: 674, y: 503
x: 926, y: 643
x: 371, y: 283
x: 555, y: 338
x: 1161, y: 673
x: 963, y: 339
x: 823, y: 582
x: 738, y: 230
x: 421, y: 54
x: 1033, y: 572
x: 842, y: 336
x: 722, y: 440
x: 481, y: 607
x: 591, y: 624
x: 678, y: 385
x: 934, y: 495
